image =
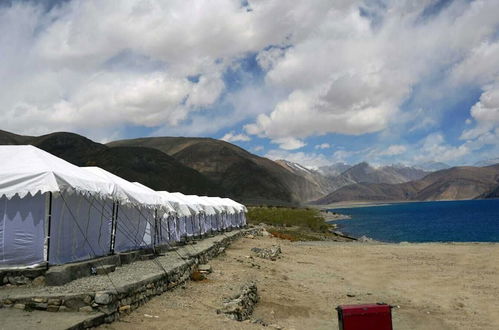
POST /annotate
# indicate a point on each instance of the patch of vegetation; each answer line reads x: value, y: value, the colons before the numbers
x: 294, y: 235
x: 305, y: 218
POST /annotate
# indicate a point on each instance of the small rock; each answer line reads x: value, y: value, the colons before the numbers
x: 351, y: 295
x: 205, y: 268
x: 39, y: 300
x: 124, y: 308
x: 19, y: 306
x: 102, y: 298
x: 250, y: 236
x: 18, y: 280
x: 41, y: 306
x: 86, y: 309
x: 87, y: 300
x: 39, y: 281
x: 54, y: 302
x: 63, y: 309
x: 52, y: 308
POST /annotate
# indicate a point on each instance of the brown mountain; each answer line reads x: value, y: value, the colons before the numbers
x: 148, y: 166
x: 322, y: 185
x: 456, y: 183
x: 246, y: 176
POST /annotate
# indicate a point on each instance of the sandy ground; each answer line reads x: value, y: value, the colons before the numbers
x: 437, y: 286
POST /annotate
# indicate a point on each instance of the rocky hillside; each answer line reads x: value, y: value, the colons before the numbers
x: 243, y: 175
x: 322, y: 185
x: 334, y: 169
x: 365, y: 173
x: 456, y: 183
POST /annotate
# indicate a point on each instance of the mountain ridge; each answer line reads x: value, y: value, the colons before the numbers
x: 456, y: 183
x: 246, y: 175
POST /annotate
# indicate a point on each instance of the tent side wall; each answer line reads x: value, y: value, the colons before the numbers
x: 80, y: 228
x: 134, y: 228
x: 22, y: 230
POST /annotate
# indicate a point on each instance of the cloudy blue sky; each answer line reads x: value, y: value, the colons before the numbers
x: 313, y: 81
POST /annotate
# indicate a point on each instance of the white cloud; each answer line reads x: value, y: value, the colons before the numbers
x: 289, y: 143
x: 258, y: 148
x: 96, y: 67
x: 485, y: 114
x: 323, y: 146
x: 434, y: 148
x: 352, y: 75
x: 395, y: 149
x: 233, y: 137
x: 129, y: 61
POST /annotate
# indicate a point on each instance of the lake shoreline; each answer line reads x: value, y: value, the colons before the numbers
x: 470, y: 221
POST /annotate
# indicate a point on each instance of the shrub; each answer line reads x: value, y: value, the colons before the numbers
x: 287, y: 217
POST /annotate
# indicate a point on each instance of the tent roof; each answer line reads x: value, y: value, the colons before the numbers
x: 167, y: 203
x: 225, y: 202
x: 182, y: 207
x: 208, y: 207
x: 25, y: 169
x: 126, y: 191
x: 192, y: 202
x: 240, y: 207
x: 221, y: 207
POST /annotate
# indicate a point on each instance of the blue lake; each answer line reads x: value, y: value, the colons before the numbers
x: 447, y: 221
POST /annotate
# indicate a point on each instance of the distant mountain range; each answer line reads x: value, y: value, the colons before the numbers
x: 206, y: 166
x: 455, y: 183
x: 240, y: 174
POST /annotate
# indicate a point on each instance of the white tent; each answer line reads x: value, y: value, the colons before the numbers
x: 54, y: 212
x: 47, y: 209
x: 136, y: 214
x: 197, y: 211
x: 202, y: 223
x: 217, y: 220
x: 168, y: 225
x: 240, y: 216
x: 184, y: 214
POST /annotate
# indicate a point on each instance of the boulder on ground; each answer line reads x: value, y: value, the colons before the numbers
x: 270, y: 254
x: 240, y: 306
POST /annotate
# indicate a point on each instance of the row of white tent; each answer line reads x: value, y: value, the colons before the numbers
x: 54, y: 212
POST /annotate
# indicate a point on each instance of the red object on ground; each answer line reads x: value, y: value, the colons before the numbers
x: 365, y: 317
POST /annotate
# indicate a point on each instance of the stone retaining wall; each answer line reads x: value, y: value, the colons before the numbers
x: 109, y: 305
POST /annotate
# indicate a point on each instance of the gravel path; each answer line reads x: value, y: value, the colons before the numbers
x: 123, y: 275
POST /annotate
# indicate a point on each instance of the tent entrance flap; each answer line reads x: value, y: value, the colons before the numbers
x: 22, y: 232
